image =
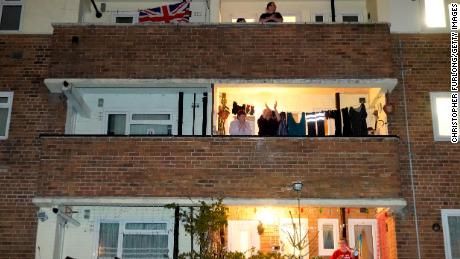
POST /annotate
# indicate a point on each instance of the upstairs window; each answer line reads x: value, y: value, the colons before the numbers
x: 125, y: 18
x: 350, y: 18
x: 440, y: 107
x: 435, y: 14
x: 6, y: 102
x: 319, y: 18
x: 10, y: 14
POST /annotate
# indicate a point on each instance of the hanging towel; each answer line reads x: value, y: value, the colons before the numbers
x: 294, y: 128
x: 346, y: 123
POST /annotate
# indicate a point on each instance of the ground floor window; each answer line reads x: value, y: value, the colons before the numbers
x: 133, y: 240
x: 451, y: 228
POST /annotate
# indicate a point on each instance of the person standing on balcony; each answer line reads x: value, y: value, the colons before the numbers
x: 240, y: 127
x: 269, y: 122
x: 271, y: 15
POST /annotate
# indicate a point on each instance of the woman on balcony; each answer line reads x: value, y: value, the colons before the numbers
x: 271, y: 15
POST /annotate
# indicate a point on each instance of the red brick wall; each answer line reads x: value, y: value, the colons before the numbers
x: 34, y: 111
x: 225, y: 167
x: 435, y: 164
x: 223, y: 51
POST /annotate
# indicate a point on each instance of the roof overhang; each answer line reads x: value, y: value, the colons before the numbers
x: 392, y: 203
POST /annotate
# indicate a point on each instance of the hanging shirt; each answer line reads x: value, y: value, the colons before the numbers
x: 296, y: 129
x: 346, y: 123
x: 236, y: 128
x: 338, y: 253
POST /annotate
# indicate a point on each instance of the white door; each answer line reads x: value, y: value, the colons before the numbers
x: 363, y: 236
x: 243, y: 236
x: 451, y: 229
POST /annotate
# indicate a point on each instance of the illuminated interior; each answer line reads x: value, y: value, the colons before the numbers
x: 371, y: 231
x: 296, y: 99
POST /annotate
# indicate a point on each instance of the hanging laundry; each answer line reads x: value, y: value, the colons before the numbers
x: 283, y: 126
x: 311, y: 124
x: 358, y: 121
x: 294, y: 128
x: 346, y: 123
x: 320, y: 117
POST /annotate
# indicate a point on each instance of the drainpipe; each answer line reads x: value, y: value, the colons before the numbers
x: 409, y: 147
x: 333, y: 10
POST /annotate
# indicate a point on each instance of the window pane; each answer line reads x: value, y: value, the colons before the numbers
x: 108, y: 240
x: 289, y: 19
x: 435, y: 14
x: 3, y: 99
x: 151, y: 117
x: 3, y: 120
x: 128, y: 19
x: 364, y: 240
x: 150, y: 129
x: 11, y: 17
x: 350, y: 18
x: 145, y: 246
x: 116, y: 124
x: 146, y: 226
x: 442, y: 106
x: 328, y: 236
x: 319, y: 18
x: 454, y: 233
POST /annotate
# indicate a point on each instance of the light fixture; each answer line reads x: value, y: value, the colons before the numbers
x: 297, y: 186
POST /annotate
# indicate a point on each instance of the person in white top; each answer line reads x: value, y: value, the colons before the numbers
x: 240, y: 126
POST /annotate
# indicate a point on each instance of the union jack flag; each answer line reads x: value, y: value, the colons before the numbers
x: 173, y: 13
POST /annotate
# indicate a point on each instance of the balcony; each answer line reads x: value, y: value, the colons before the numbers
x: 330, y: 168
x: 255, y: 51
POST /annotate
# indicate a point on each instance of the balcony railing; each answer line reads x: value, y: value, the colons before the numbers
x: 219, y: 166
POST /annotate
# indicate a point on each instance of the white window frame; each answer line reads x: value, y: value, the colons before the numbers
x: 122, y: 231
x: 335, y: 226
x: 370, y: 222
x: 135, y: 16
x: 360, y: 18
x: 9, y: 106
x: 129, y: 114
x: 445, y: 226
x: 434, y: 115
x: 324, y: 15
x: 12, y: 3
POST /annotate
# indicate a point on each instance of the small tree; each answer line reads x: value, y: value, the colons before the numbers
x: 207, y: 226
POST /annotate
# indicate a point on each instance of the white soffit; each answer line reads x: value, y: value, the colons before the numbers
x: 395, y: 203
x: 55, y: 84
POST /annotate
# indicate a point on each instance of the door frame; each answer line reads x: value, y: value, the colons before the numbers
x: 369, y: 222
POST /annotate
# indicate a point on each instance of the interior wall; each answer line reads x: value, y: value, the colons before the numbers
x: 304, y: 10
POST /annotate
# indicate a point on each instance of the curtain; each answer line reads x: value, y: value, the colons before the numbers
x: 108, y: 240
x: 364, y: 241
x: 242, y: 236
x: 328, y: 236
x: 145, y: 246
x: 3, y: 119
x: 454, y: 232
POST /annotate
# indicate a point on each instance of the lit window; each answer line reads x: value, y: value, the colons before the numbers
x: 10, y: 14
x: 435, y: 14
x: 440, y: 107
x: 6, y: 102
x: 328, y: 236
x: 289, y: 19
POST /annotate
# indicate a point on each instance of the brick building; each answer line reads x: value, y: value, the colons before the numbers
x: 108, y: 122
